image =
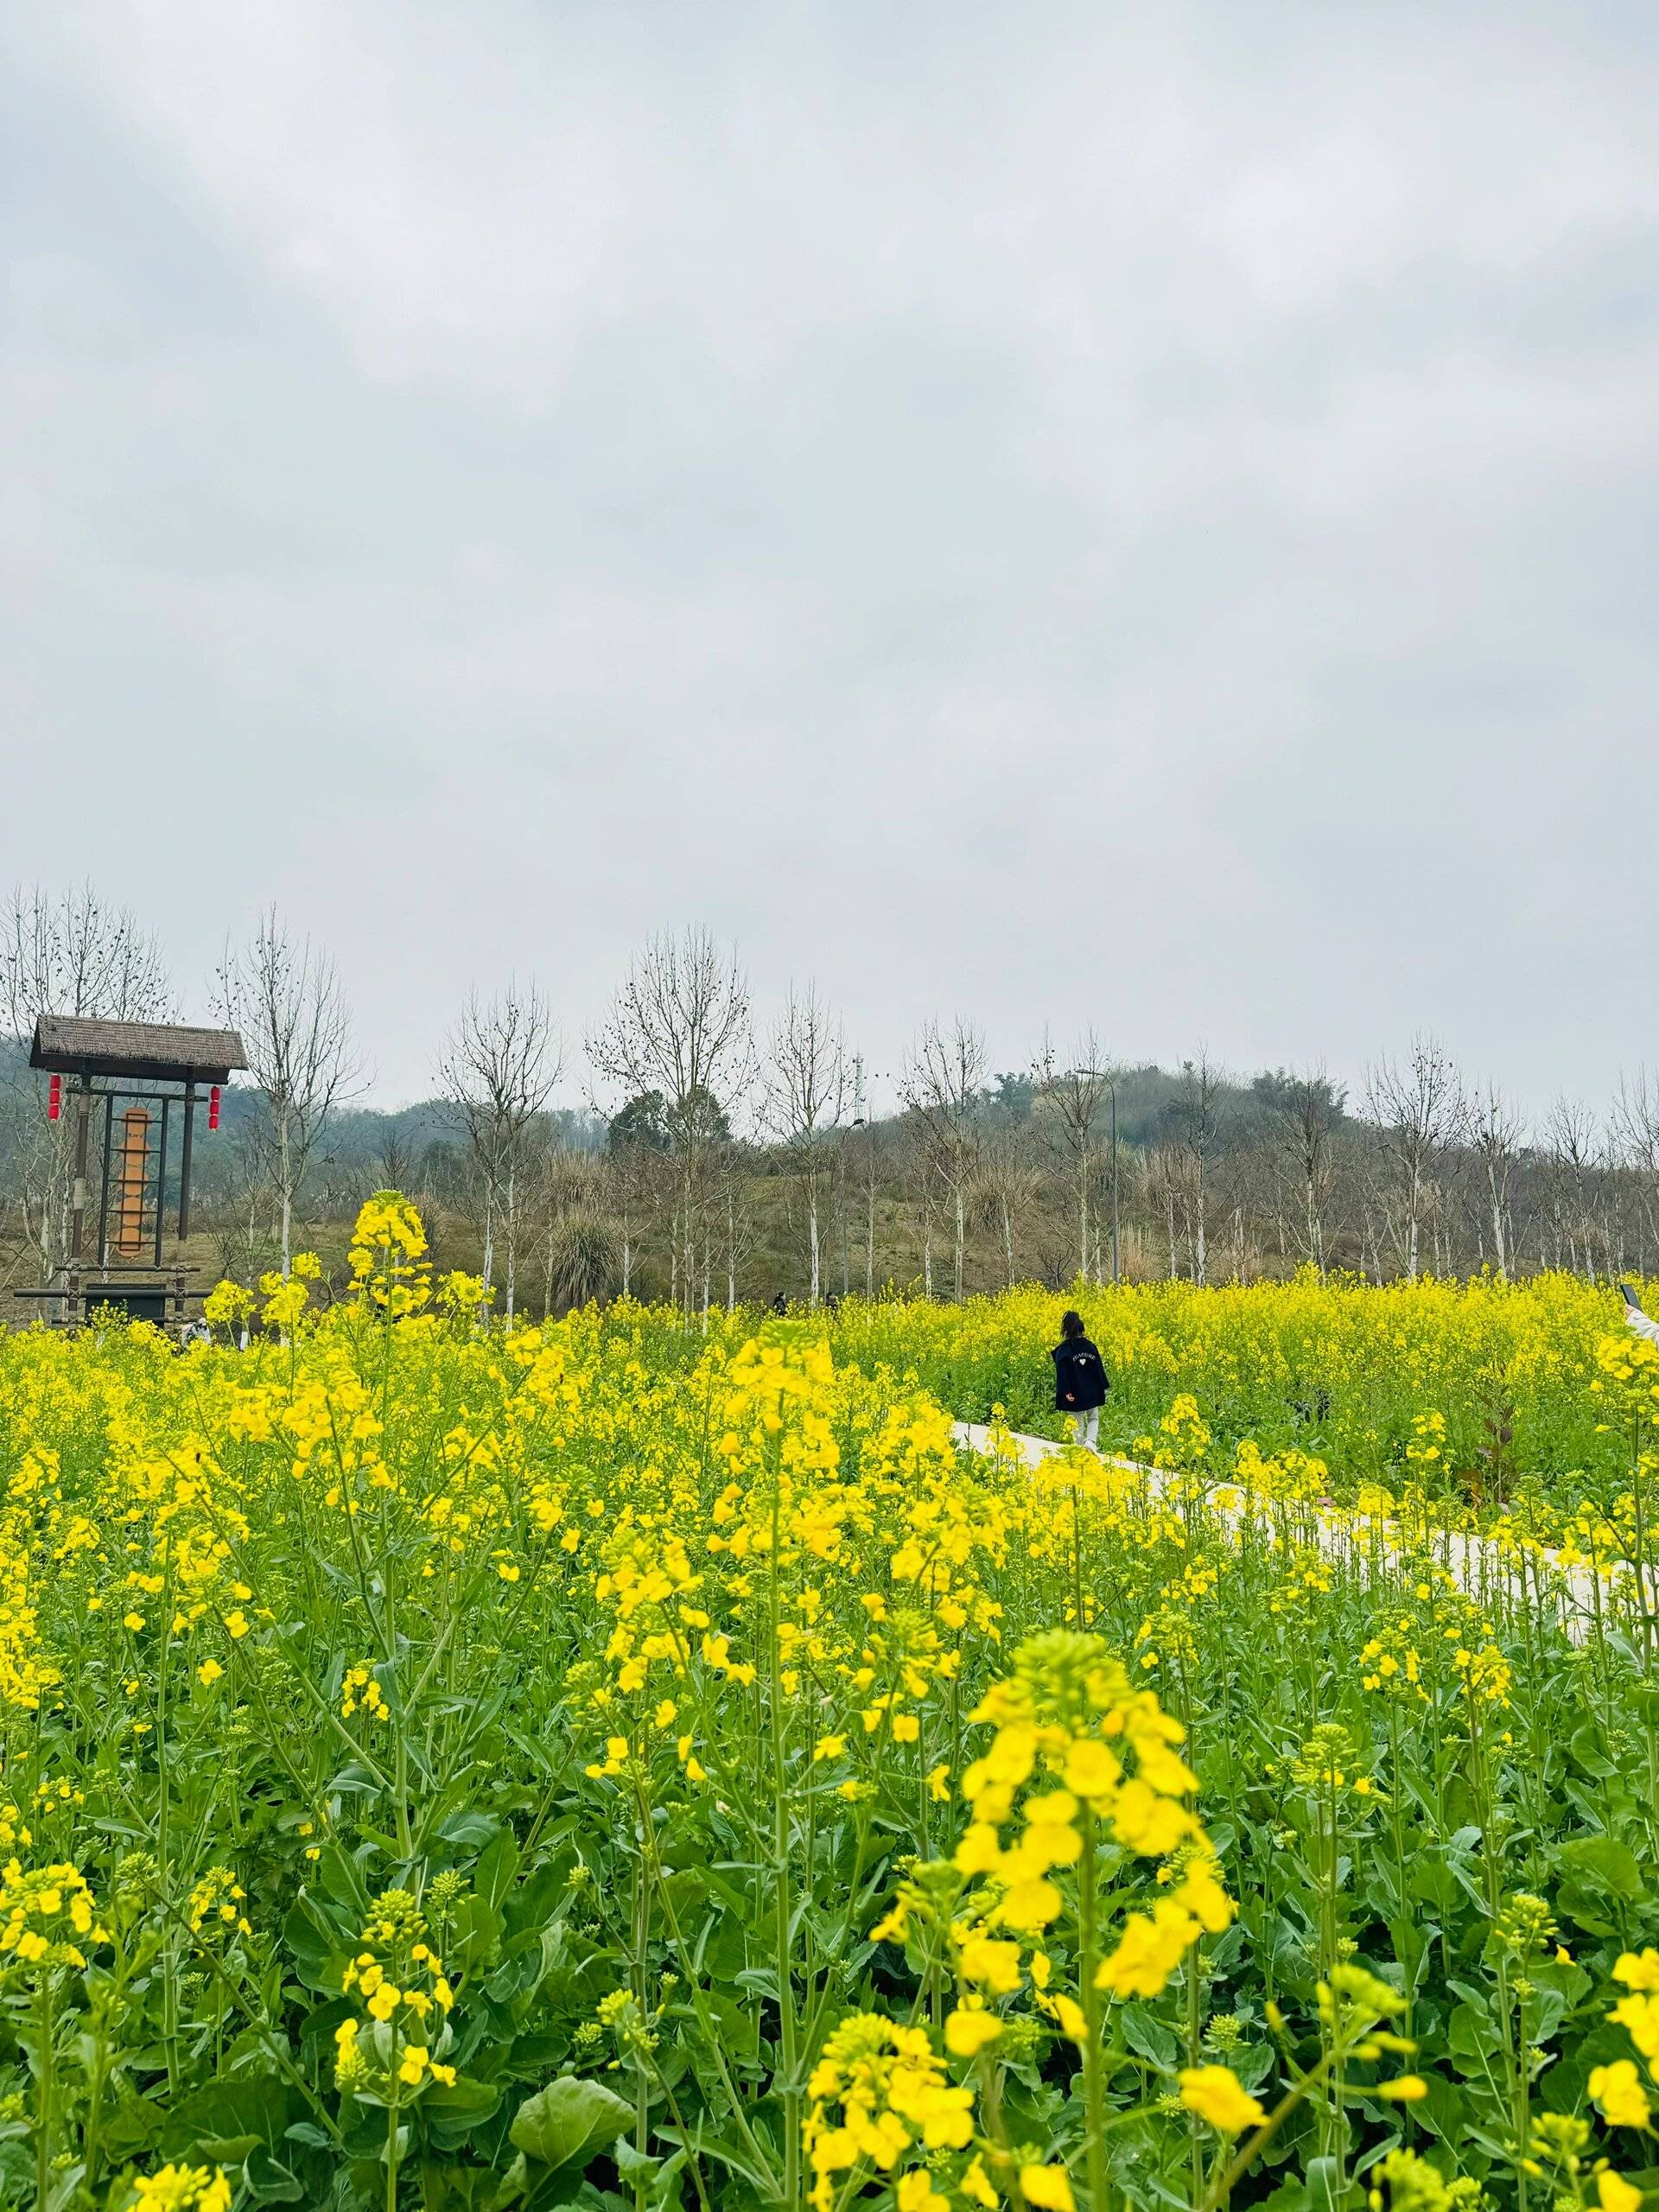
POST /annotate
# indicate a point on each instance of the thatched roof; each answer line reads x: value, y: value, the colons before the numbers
x: 156, y: 1051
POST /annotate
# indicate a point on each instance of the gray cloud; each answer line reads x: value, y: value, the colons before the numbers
x: 1072, y: 514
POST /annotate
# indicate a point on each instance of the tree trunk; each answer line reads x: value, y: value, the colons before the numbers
x: 1413, y: 1202
x: 512, y: 1225
x: 1200, y: 1248
x: 283, y: 1157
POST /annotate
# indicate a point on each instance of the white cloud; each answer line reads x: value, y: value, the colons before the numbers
x: 1083, y: 514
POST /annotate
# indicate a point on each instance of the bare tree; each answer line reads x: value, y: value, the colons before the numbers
x: 1160, y: 1177
x: 498, y: 1068
x: 1200, y: 1122
x: 636, y: 1174
x: 282, y: 996
x: 942, y: 1084
x: 1636, y: 1123
x: 75, y: 955
x: 1573, y: 1157
x: 1308, y: 1112
x: 679, y: 1026
x: 1494, y: 1131
x: 733, y: 1221
x: 1006, y: 1188
x: 1074, y: 1097
x: 803, y: 1099
x: 1419, y: 1110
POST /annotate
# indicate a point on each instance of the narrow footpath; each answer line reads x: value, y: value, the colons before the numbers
x: 1491, y: 1574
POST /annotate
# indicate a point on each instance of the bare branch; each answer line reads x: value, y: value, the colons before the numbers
x: 282, y: 996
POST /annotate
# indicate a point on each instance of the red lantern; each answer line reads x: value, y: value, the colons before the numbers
x: 212, y: 1107
x: 55, y: 1099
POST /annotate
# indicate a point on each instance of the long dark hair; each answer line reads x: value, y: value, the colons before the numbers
x: 1072, y: 1325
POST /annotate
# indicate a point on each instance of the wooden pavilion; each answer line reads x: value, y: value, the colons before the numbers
x: 133, y: 1089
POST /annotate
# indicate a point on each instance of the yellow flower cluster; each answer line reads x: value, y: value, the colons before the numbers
x: 179, y: 2188
x: 400, y: 1980
x: 1078, y: 1750
x: 388, y: 1257
x: 216, y: 1904
x: 879, y: 2090
x: 46, y: 1915
x: 1618, y: 2088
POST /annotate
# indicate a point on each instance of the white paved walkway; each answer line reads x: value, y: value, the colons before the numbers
x: 1486, y: 1572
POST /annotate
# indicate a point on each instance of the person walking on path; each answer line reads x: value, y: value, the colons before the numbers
x: 1080, y: 1383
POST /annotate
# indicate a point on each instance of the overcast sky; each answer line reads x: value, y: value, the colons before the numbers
x: 1069, y: 513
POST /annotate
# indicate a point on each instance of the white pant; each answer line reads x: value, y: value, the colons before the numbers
x: 1086, y: 1427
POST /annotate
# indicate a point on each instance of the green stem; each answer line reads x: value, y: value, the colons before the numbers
x: 787, y: 2024
x: 1088, y: 1964
x: 391, y: 2148
x: 47, y: 2125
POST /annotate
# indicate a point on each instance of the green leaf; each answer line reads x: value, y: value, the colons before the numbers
x: 514, y: 2183
x: 1603, y: 1863
x: 470, y: 1831
x: 1445, y: 2110
x: 269, y: 2181
x: 452, y: 2109
x: 1148, y: 2035
x: 1473, y: 2040
x: 134, y: 2126
x: 1599, y: 1873
x: 492, y: 1876
x: 225, y: 2120
x: 462, y: 2187
x: 569, y: 2122
x: 659, y: 2177
x: 316, y: 1946
x: 342, y: 1881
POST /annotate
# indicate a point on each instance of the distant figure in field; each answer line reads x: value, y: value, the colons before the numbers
x: 1080, y: 1383
x: 1641, y: 1322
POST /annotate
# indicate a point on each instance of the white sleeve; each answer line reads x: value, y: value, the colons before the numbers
x: 1644, y: 1323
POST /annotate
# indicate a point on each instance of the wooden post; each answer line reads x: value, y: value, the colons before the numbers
x: 77, y: 1190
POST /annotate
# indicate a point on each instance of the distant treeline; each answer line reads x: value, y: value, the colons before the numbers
x: 736, y: 1158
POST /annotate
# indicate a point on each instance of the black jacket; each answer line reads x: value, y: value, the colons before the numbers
x: 1079, y: 1369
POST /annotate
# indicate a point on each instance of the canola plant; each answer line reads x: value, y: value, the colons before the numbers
x: 605, y: 1764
